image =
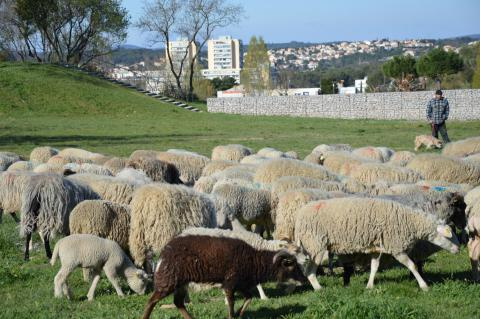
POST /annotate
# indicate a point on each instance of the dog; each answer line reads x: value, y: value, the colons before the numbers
x: 427, y: 140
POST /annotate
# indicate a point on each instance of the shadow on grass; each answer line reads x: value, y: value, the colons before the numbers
x: 265, y: 312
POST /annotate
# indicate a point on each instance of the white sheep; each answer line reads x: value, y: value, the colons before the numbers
x: 349, y: 226
x: 95, y: 254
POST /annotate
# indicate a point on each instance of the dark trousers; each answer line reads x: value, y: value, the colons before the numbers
x: 442, y: 128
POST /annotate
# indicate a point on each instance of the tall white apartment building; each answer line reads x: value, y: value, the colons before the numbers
x: 225, y: 58
x: 178, y: 49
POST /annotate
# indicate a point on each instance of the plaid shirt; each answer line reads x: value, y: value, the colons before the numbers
x: 437, y: 111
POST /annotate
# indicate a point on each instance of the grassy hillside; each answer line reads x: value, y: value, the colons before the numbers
x: 48, y: 105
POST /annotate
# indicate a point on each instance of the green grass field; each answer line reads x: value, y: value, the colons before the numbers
x: 49, y: 105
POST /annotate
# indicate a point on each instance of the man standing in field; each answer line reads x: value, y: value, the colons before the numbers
x: 437, y: 113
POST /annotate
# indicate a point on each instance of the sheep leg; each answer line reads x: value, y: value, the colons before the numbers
x: 312, y: 277
x: 474, y: 253
x: 154, y: 299
x: 375, y: 263
x: 263, y: 296
x: 112, y: 277
x: 27, y: 246
x: 179, y: 301
x: 91, y: 291
x: 88, y: 274
x: 231, y: 302
x: 248, y: 300
x: 46, y: 243
x: 407, y: 262
x: 330, y: 264
x: 60, y: 282
x: 348, y: 270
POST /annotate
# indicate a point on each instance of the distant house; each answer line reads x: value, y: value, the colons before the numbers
x: 360, y: 87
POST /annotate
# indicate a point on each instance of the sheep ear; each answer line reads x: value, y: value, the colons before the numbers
x: 445, y: 231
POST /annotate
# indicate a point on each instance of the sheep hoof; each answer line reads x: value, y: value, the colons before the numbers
x: 425, y: 288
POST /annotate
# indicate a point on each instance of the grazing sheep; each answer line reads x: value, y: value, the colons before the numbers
x: 463, y: 148
x: 231, y: 152
x: 205, y: 184
x: 272, y: 170
x: 42, y: 154
x: 227, y: 261
x: 46, y: 205
x: 289, y: 203
x: 428, y: 141
x: 24, y: 166
x: 254, y: 240
x: 472, y: 196
x: 386, y: 152
x: 370, y: 153
x: 115, y: 164
x: 12, y: 187
x: 349, y: 226
x: 324, y: 148
x: 287, y: 183
x: 249, y: 205
x: 83, y: 154
x: 371, y: 173
x: 143, y: 153
x: 161, y: 211
x: 254, y: 159
x: 442, y: 168
x: 216, y: 166
x: 341, y: 162
x: 270, y: 152
x: 473, y: 227
x: 401, y: 158
x: 441, y: 186
x: 473, y: 159
x: 62, y: 160
x: 7, y: 159
x: 314, y: 158
x: 109, y: 188
x: 96, y: 254
x: 189, y: 165
x: 87, y: 168
x: 134, y: 176
x: 103, y: 219
x: 354, y: 186
x: 156, y: 170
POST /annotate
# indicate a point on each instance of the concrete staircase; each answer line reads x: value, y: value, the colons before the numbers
x: 164, y: 99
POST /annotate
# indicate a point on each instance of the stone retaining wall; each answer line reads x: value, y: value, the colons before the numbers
x: 464, y: 105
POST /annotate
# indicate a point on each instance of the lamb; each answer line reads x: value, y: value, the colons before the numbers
x: 7, y: 159
x: 95, y: 253
x: 428, y: 141
x: 247, y: 204
x: 87, y: 168
x: 115, y: 164
x: 213, y: 264
x: 109, y: 188
x: 161, y: 211
x: 231, y: 152
x: 42, y: 154
x: 254, y: 240
x: 463, y: 148
x: 46, y: 205
x: 438, y: 167
x: 371, y: 173
x: 216, y: 166
x: 401, y: 158
x: 349, y: 226
x: 370, y: 153
x: 190, y: 166
x: 156, y: 170
x: 272, y: 170
x: 102, y: 218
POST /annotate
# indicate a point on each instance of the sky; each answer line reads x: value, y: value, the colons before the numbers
x: 319, y: 21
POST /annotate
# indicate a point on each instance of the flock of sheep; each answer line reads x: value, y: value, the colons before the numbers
x: 211, y: 220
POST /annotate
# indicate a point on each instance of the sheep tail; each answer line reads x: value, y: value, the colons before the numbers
x: 54, y: 255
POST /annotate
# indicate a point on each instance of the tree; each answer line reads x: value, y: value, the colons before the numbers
x: 70, y: 31
x: 328, y: 86
x: 222, y: 84
x: 193, y: 20
x: 255, y: 75
x: 476, y: 75
x: 376, y: 79
x: 402, y: 70
x: 438, y: 63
